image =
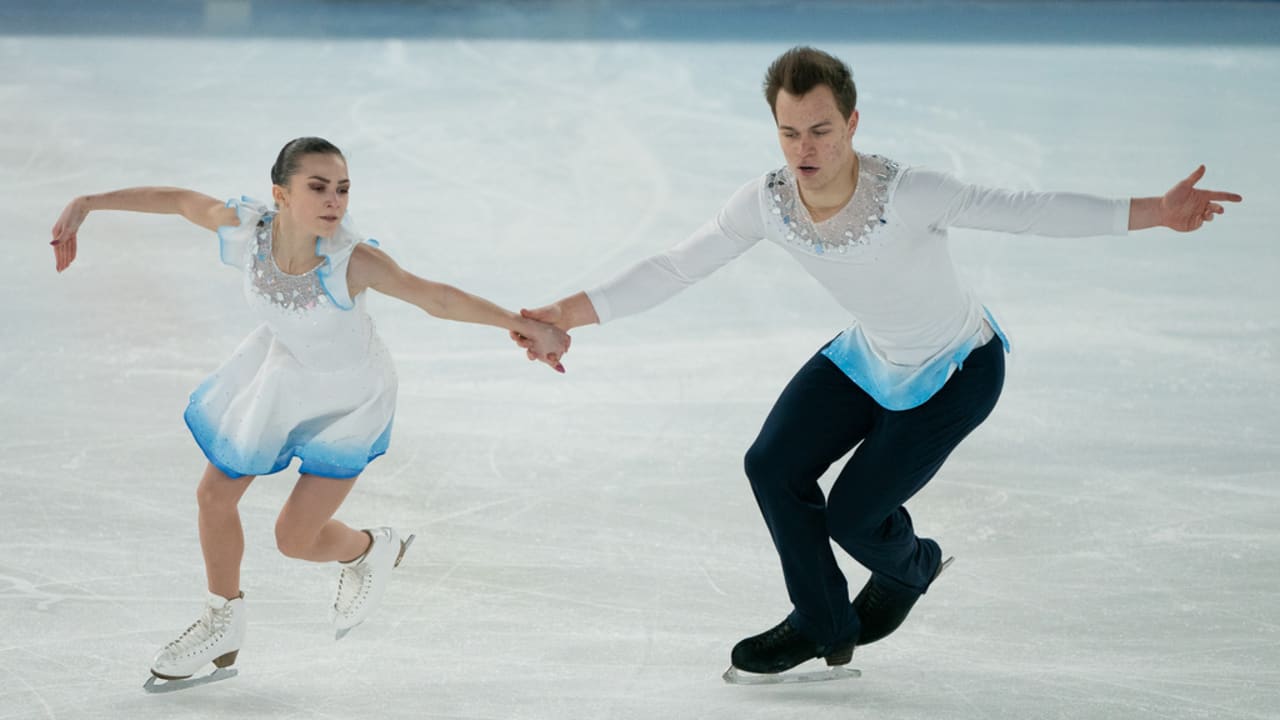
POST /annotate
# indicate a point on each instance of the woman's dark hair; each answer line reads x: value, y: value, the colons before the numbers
x: 291, y: 156
x: 801, y: 69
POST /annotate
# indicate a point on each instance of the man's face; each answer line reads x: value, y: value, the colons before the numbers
x: 815, y: 138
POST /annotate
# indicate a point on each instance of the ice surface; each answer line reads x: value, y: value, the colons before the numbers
x: 588, y: 546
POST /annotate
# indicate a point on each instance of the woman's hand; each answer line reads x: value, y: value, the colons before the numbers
x: 566, y: 314
x: 547, y: 315
x: 543, y: 342
x: 64, y: 232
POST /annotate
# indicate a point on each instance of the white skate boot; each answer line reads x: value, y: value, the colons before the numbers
x: 215, y: 637
x: 363, y: 580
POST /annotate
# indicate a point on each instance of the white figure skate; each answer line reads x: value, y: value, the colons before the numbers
x: 215, y: 637
x: 363, y: 580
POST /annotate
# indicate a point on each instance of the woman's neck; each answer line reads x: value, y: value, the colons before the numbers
x: 293, y: 247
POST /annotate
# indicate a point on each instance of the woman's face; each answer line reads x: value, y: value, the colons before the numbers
x: 316, y: 197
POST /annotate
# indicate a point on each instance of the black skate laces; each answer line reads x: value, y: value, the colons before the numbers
x: 778, y: 634
x: 876, y: 597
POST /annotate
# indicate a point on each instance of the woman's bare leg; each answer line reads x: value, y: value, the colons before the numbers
x: 306, y: 529
x: 221, y: 535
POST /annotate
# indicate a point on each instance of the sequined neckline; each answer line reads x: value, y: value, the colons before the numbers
x: 295, y: 293
x: 848, y: 230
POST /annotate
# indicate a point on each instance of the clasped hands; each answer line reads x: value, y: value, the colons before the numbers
x: 542, y: 338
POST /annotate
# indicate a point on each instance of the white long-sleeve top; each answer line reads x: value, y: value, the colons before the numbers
x: 883, y: 257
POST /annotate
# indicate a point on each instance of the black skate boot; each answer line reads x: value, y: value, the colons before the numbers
x: 882, y: 609
x: 782, y: 648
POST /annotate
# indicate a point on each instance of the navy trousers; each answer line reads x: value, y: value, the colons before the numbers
x: 821, y: 415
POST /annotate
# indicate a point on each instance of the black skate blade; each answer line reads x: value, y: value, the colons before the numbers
x: 155, y: 685
x: 734, y: 676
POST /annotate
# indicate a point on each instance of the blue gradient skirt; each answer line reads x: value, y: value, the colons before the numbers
x: 262, y: 409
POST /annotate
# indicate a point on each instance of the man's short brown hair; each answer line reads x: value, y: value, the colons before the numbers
x: 801, y: 69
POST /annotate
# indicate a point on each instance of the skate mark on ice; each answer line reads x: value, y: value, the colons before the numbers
x: 48, y: 711
x: 493, y: 462
x: 18, y: 588
x: 1066, y: 680
x: 647, y: 171
x: 710, y: 581
x: 406, y: 464
x: 1135, y: 687
x: 392, y: 141
x: 509, y: 591
x: 389, y: 639
x: 474, y: 509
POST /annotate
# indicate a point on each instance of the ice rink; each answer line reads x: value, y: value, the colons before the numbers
x: 588, y: 546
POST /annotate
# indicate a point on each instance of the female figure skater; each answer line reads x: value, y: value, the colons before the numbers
x: 314, y: 381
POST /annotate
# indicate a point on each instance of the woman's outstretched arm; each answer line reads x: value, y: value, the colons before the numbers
x: 372, y: 268
x: 199, y: 208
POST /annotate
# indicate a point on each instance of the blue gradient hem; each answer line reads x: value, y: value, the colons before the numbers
x: 895, y: 389
x: 319, y: 460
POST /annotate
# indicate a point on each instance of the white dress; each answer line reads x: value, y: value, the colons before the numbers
x: 314, y: 381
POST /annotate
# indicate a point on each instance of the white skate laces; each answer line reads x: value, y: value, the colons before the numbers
x: 214, y: 637
x: 362, y: 582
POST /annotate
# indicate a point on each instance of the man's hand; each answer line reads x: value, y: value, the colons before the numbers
x: 1186, y: 207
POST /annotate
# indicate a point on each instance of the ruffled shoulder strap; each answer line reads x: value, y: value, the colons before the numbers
x: 236, y: 242
x: 336, y: 252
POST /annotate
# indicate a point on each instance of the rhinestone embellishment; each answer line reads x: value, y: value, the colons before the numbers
x: 847, y: 230
x: 294, y: 293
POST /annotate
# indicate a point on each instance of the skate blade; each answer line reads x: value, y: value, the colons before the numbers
x: 404, y: 548
x: 155, y: 685
x: 945, y: 564
x: 734, y: 676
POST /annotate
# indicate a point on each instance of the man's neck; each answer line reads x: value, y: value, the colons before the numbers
x: 829, y: 200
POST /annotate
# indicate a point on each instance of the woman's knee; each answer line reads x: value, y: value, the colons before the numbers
x: 292, y: 540
x: 219, y: 493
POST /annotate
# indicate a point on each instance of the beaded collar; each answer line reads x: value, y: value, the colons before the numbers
x: 847, y: 230
x: 295, y: 293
